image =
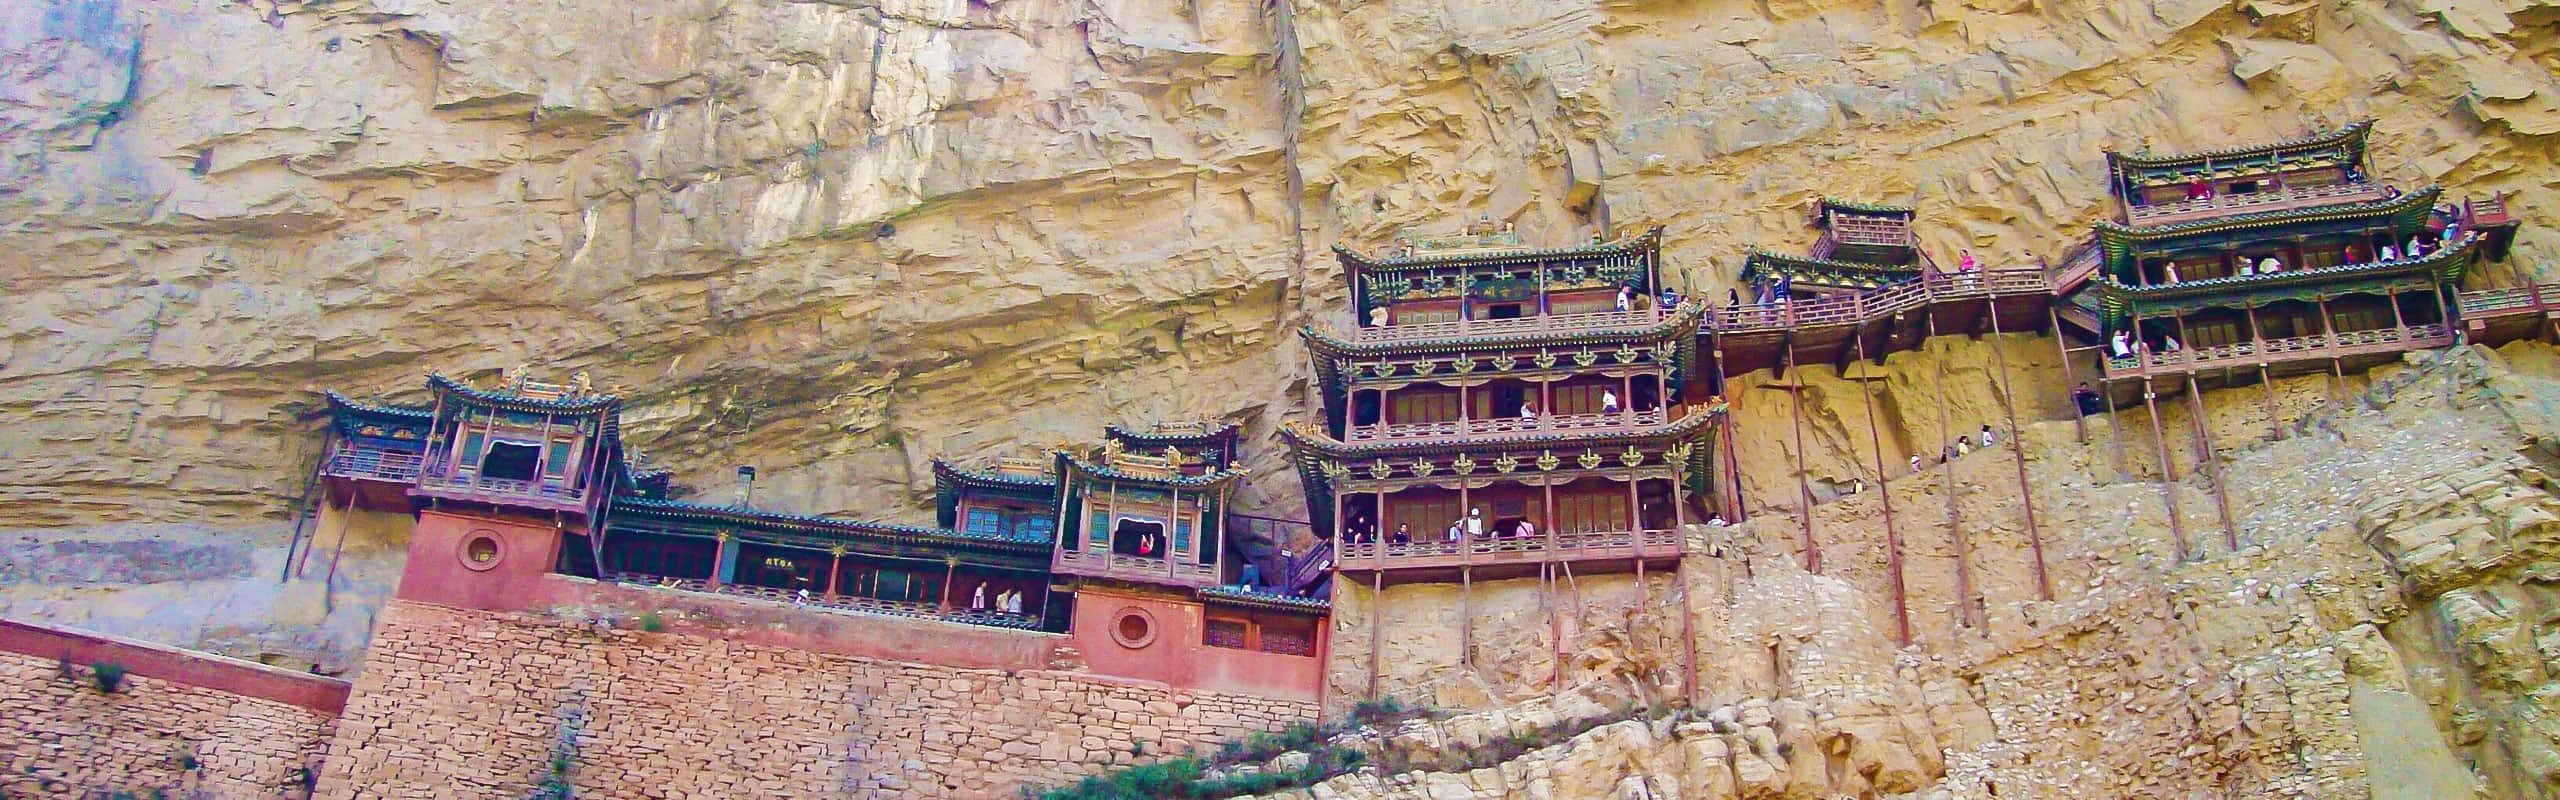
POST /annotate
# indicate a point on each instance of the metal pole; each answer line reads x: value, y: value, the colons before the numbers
x: 1966, y: 609
x: 2211, y: 462
x: 1892, y: 535
x: 2018, y: 448
x: 2168, y: 472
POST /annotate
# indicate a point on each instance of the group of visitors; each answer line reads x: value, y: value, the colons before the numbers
x: 1358, y: 529
x: 1008, y: 601
x: 2123, y: 344
x: 1963, y: 446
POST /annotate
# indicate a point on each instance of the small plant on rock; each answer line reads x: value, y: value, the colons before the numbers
x: 651, y: 622
x: 108, y: 675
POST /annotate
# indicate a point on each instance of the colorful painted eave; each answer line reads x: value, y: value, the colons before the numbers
x: 2351, y: 137
x: 2444, y: 266
x: 1764, y: 263
x: 1233, y: 596
x: 823, y: 527
x: 1354, y: 262
x: 954, y: 474
x: 2407, y: 211
x: 1682, y: 322
x: 1221, y: 432
x: 1867, y: 208
x: 1069, y: 462
x: 342, y: 403
x: 572, y: 405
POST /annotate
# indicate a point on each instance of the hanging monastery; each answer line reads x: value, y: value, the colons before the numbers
x: 1489, y: 410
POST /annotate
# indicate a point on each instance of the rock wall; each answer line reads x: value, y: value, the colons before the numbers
x: 179, y: 725
x: 471, y: 704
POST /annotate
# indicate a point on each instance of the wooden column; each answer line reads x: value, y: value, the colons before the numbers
x: 1377, y: 623
x: 2017, y: 448
x: 835, y: 566
x: 1892, y: 535
x: 2168, y: 472
x: 2329, y: 344
x: 950, y: 573
x: 2258, y: 340
x: 2079, y: 421
x: 1804, y: 487
x: 2207, y: 459
x: 1466, y: 616
x: 1967, y: 611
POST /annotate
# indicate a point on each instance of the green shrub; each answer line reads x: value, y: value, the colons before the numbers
x: 651, y: 622
x: 108, y: 675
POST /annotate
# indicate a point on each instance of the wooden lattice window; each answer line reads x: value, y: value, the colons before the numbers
x: 1425, y: 406
x: 1289, y: 640
x: 1591, y: 512
x: 1224, y: 633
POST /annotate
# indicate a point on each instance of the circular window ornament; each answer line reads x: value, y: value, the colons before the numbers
x: 1134, y: 628
x: 482, y: 550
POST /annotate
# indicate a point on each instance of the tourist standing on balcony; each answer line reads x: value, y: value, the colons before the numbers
x: 1608, y: 402
x: 1528, y: 412
x: 1967, y: 264
x: 1670, y: 298
x: 1732, y: 299
x: 2122, y: 343
x: 2169, y: 273
x: 2168, y: 343
x: 1457, y: 528
x: 1403, y: 534
x: 1378, y: 317
x: 2199, y: 190
x: 1475, y: 524
x: 978, y: 597
x: 2389, y: 253
x: 2270, y: 266
x: 1626, y: 298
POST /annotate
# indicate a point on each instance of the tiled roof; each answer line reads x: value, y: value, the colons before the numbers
x: 1353, y: 261
x: 2351, y: 137
x: 575, y: 405
x: 1240, y: 596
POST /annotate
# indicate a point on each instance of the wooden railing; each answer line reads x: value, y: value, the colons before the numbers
x: 2539, y: 299
x: 550, y: 487
x: 366, y: 463
x: 1554, y: 323
x: 1500, y: 426
x: 1437, y: 552
x: 1867, y: 232
x: 1102, y: 563
x: 2078, y: 267
x: 860, y: 605
x: 2251, y: 353
x: 1884, y: 302
x: 2284, y: 199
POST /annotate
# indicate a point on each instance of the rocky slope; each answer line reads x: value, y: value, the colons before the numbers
x: 2384, y: 628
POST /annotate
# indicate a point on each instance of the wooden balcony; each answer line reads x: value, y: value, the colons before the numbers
x: 2347, y: 344
x: 551, y: 493
x: 1863, y: 307
x: 2498, y: 316
x: 838, y: 603
x: 1603, y: 321
x: 1157, y: 570
x: 1456, y: 430
x: 2286, y: 199
x: 374, y: 464
x: 1863, y: 236
x: 1493, y: 557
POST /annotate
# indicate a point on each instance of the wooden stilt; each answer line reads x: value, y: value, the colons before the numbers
x: 2168, y: 472
x: 2115, y: 431
x: 2208, y: 460
x: 2275, y: 419
x: 2017, y: 448
x: 1466, y: 616
x: 1967, y: 611
x: 1377, y: 620
x: 1804, y: 488
x: 1555, y: 623
x: 1892, y: 535
x: 2079, y: 421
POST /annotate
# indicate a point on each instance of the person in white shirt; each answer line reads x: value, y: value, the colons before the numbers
x: 1987, y: 438
x: 2390, y: 253
x: 1528, y: 413
x: 1715, y: 520
x: 2270, y: 266
x: 2123, y: 344
x: 2168, y: 344
x: 1608, y: 402
x: 1475, y: 524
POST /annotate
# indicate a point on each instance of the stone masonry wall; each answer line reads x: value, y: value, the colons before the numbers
x: 61, y: 737
x: 457, y: 703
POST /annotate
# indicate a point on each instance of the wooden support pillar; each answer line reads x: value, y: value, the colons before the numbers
x: 1466, y: 616
x: 1892, y: 535
x: 2168, y: 472
x: 1804, y: 487
x: 835, y: 566
x: 1377, y: 624
x: 2115, y: 430
x: 346, y: 523
x: 2079, y: 421
x: 1967, y: 611
x: 2017, y: 448
x: 2208, y: 460
x: 2329, y: 343
x: 1555, y: 624
x: 2258, y: 339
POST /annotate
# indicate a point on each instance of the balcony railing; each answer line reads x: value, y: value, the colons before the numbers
x: 1848, y: 309
x: 1489, y: 550
x: 2285, y: 199
x: 371, y: 464
x: 1505, y: 426
x: 843, y: 603
x: 1553, y: 323
x: 2269, y: 351
x: 2539, y: 299
x: 1868, y: 232
x: 471, y: 486
x: 1147, y: 569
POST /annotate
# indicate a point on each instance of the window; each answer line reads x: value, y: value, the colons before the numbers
x: 471, y: 446
x: 2361, y: 318
x: 2214, y: 334
x: 510, y: 461
x: 656, y: 555
x: 1583, y: 399
x: 1224, y: 633
x: 2243, y: 187
x: 1429, y: 515
x: 1138, y: 537
x: 1425, y: 406
x: 557, y: 464
x: 1289, y: 638
x: 1503, y: 311
x: 1588, y: 511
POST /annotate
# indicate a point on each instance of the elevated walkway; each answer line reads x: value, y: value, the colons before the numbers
x: 1835, y: 329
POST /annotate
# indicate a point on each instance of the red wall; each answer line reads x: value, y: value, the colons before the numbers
x: 204, y: 670
x: 1176, y: 655
x: 438, y: 571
